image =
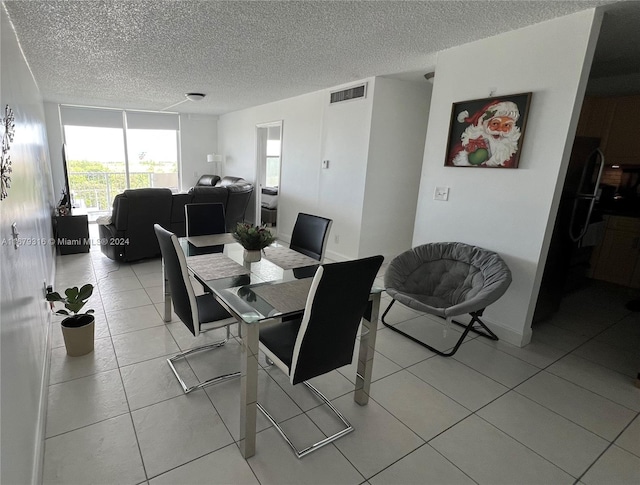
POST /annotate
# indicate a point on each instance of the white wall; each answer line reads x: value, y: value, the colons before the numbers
x: 24, y: 315
x: 396, y: 148
x: 346, y: 127
x: 358, y: 190
x: 301, y: 134
x: 510, y: 211
x: 198, y: 138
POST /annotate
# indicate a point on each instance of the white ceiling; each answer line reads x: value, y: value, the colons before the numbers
x: 148, y: 54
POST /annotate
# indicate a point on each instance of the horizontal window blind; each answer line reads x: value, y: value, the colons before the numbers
x: 112, y: 118
x: 96, y: 117
x: 141, y: 120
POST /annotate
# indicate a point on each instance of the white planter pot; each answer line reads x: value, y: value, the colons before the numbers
x: 252, y: 256
x: 78, y: 339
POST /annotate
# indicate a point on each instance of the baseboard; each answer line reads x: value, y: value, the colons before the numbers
x: 508, y: 334
x: 38, y: 459
x: 334, y: 256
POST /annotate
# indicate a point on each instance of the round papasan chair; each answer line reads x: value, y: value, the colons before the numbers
x: 447, y: 279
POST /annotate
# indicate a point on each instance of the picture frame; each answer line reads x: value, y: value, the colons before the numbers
x: 487, y: 132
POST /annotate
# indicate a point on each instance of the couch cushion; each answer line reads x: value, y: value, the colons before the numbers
x: 209, y: 194
x: 178, y: 221
x: 239, y: 196
x: 177, y: 206
x: 146, y: 207
x: 207, y: 181
x: 228, y: 180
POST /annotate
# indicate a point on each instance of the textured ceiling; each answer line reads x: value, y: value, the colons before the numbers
x: 146, y: 55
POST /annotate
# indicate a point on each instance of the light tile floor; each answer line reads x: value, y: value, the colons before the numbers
x: 562, y: 410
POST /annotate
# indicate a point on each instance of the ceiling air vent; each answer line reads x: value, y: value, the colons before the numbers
x: 354, y: 92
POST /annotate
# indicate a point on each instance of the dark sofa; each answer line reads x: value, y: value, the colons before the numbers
x: 130, y: 235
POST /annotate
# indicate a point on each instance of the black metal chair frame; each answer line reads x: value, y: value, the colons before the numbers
x: 475, y: 318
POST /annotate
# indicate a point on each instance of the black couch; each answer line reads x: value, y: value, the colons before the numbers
x: 130, y: 235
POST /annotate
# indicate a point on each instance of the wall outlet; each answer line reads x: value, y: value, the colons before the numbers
x: 325, y: 163
x: 441, y: 193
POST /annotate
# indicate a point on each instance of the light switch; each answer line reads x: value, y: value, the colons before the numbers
x: 325, y: 163
x: 441, y: 193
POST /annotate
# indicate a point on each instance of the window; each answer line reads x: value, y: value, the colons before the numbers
x: 272, y: 171
x: 96, y: 166
x: 153, y: 159
x: 109, y: 151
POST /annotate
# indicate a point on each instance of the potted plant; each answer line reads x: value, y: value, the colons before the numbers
x: 78, y: 328
x: 253, y: 239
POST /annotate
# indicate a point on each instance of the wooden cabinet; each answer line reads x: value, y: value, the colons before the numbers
x: 617, y: 259
x: 621, y: 143
x: 616, y: 122
x: 595, y: 117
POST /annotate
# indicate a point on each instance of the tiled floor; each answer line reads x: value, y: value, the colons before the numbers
x: 561, y: 410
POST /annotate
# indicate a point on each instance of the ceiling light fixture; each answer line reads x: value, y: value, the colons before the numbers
x: 195, y: 96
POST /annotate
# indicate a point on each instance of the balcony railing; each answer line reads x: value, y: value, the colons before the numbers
x: 93, y: 192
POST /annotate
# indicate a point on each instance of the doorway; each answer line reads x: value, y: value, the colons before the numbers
x: 269, y: 164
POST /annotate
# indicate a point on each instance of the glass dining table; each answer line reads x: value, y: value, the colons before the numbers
x: 270, y: 290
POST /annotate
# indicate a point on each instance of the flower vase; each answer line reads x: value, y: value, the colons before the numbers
x: 252, y: 255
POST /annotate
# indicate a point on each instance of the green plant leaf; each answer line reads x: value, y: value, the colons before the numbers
x: 54, y: 296
x: 62, y: 312
x: 85, y: 292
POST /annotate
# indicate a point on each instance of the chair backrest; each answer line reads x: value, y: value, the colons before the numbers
x: 309, y: 235
x: 204, y: 219
x: 175, y: 266
x: 338, y: 298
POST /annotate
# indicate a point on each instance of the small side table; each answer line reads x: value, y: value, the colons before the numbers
x: 72, y: 234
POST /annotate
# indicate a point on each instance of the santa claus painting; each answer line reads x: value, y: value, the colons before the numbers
x: 491, y: 134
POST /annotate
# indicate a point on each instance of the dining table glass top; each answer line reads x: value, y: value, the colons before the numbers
x: 275, y: 286
x: 255, y: 291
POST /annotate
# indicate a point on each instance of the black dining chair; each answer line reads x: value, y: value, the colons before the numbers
x: 203, y: 219
x: 323, y: 338
x: 310, y: 235
x: 199, y: 313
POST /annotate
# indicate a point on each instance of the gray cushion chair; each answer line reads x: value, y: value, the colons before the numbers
x: 447, y: 279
